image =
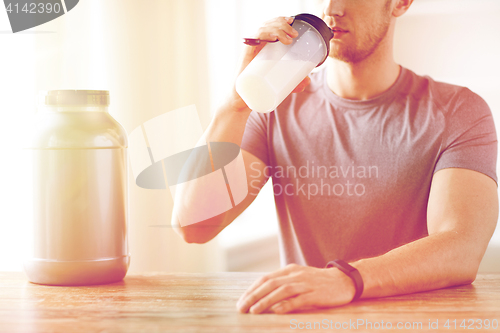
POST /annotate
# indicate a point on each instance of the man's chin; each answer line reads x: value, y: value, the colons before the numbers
x: 340, y: 56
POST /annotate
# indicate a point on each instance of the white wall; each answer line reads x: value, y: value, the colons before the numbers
x: 456, y: 41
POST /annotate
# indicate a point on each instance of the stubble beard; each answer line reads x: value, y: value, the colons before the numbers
x: 366, y: 46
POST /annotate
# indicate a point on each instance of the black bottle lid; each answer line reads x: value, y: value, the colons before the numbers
x: 320, y: 26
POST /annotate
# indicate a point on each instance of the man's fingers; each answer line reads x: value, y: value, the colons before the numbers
x: 302, y: 85
x: 300, y: 302
x: 277, y: 295
x: 260, y: 289
x: 270, y: 292
x: 265, y: 285
x: 280, y: 272
x: 278, y: 28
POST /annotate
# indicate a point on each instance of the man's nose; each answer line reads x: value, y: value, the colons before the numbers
x: 334, y: 7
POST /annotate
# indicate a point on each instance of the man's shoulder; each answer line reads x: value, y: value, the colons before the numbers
x: 444, y: 95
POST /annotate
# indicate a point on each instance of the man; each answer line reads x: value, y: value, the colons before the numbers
x: 405, y: 166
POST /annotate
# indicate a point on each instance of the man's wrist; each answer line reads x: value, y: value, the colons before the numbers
x: 352, y: 273
x: 235, y: 103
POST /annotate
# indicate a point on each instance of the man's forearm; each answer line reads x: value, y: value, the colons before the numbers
x: 197, y: 213
x: 437, y: 261
x: 228, y: 125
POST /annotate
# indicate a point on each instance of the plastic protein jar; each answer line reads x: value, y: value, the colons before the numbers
x: 80, y: 191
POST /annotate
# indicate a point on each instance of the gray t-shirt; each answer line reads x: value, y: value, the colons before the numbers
x: 351, y: 179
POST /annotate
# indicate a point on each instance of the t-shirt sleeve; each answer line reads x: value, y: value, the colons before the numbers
x: 469, y: 140
x: 255, y: 137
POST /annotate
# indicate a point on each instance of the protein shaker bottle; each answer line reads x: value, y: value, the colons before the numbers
x: 80, y: 191
x: 278, y: 68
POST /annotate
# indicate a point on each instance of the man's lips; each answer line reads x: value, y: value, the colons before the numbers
x: 337, y: 29
x: 338, y: 32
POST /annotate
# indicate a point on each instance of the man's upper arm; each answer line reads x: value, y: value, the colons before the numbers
x: 463, y: 195
x: 256, y: 178
x: 465, y: 202
x: 257, y: 175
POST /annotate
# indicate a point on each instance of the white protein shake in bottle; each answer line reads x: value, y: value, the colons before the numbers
x: 278, y: 68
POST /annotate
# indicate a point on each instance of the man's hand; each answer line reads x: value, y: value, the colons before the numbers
x: 302, y: 85
x: 295, y: 288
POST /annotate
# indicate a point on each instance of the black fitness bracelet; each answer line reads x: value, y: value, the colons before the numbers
x: 350, y: 271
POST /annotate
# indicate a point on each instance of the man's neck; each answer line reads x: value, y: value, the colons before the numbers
x: 364, y: 80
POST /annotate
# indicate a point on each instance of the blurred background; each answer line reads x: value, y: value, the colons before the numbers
x: 159, y: 55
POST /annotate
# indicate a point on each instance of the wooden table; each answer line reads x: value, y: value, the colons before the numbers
x: 159, y: 302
